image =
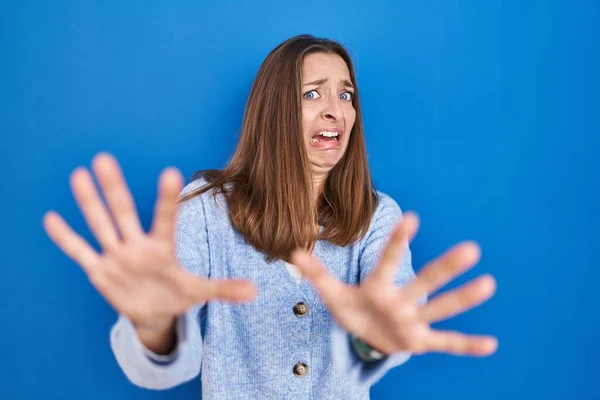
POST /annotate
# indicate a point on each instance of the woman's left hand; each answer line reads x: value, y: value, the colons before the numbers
x: 391, y: 318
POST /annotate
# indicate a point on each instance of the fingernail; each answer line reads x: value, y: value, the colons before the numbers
x: 491, y: 345
x: 489, y: 284
x: 472, y: 250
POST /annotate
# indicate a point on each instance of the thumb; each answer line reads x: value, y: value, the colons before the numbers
x: 327, y: 285
x: 306, y: 262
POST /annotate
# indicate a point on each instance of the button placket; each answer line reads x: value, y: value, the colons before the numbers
x: 300, y: 369
x: 300, y: 309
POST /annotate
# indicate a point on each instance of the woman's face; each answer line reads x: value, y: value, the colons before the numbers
x: 327, y: 111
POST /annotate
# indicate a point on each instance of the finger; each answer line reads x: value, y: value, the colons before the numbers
x: 402, y: 234
x: 442, y: 270
x: 330, y: 289
x: 459, y: 300
x: 231, y: 290
x: 457, y: 343
x: 397, y: 243
x: 117, y: 195
x: 95, y: 213
x: 70, y: 243
x: 108, y: 279
x: 197, y: 289
x: 170, y: 185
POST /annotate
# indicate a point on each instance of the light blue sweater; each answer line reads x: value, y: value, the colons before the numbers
x: 248, y: 351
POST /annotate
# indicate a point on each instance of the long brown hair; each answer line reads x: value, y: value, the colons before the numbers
x: 267, y: 183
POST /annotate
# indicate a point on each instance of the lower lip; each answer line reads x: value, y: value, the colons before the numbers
x: 330, y: 144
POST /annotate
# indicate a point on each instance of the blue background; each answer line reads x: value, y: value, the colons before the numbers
x: 482, y: 116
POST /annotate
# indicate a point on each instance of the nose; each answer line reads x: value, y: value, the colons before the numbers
x: 332, y: 110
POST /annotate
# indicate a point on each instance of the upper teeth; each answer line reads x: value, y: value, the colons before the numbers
x: 329, y: 134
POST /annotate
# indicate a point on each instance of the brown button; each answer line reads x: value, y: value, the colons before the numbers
x: 300, y: 369
x: 300, y: 309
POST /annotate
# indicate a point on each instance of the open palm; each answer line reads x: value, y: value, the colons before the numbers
x: 138, y: 272
x: 393, y: 319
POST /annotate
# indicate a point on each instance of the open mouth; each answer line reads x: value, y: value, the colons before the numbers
x: 325, y: 136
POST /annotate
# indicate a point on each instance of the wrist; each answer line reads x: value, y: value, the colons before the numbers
x: 156, y: 327
x: 364, y: 351
x: 160, y: 338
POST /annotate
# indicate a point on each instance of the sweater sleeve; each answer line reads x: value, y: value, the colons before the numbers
x: 141, y: 366
x: 345, y: 357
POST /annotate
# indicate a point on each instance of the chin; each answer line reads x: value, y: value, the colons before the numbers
x: 323, y: 163
x: 324, y: 166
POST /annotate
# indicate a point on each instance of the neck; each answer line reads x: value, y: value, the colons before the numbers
x: 318, y: 183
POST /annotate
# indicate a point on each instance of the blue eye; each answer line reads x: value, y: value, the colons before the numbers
x: 347, y: 96
x: 311, y: 95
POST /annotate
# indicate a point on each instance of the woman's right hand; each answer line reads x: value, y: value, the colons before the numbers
x: 137, y: 272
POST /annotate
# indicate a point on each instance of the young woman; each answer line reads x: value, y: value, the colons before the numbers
x: 284, y: 275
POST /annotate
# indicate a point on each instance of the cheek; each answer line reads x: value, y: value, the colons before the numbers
x: 308, y: 117
x: 350, y: 118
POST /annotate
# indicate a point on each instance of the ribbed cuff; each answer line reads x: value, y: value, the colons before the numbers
x: 161, y: 359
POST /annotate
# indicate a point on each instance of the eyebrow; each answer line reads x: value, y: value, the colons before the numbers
x: 322, y: 81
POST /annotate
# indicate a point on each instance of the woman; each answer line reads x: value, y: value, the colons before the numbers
x: 285, y: 275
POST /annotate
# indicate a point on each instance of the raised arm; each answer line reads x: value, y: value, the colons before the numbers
x: 155, y: 281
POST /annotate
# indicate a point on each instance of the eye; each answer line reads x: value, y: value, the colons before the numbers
x: 311, y: 95
x: 347, y: 95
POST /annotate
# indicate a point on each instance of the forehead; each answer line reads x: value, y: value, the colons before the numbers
x: 322, y: 65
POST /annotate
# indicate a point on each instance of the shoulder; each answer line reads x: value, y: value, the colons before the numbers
x: 387, y: 214
x: 210, y: 203
x: 197, y: 202
x: 193, y: 185
x: 387, y: 208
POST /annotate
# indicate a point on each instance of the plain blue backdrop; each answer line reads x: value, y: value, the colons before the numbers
x: 482, y: 116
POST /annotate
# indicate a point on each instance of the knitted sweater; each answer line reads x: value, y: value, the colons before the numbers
x: 264, y: 348
x: 294, y: 272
